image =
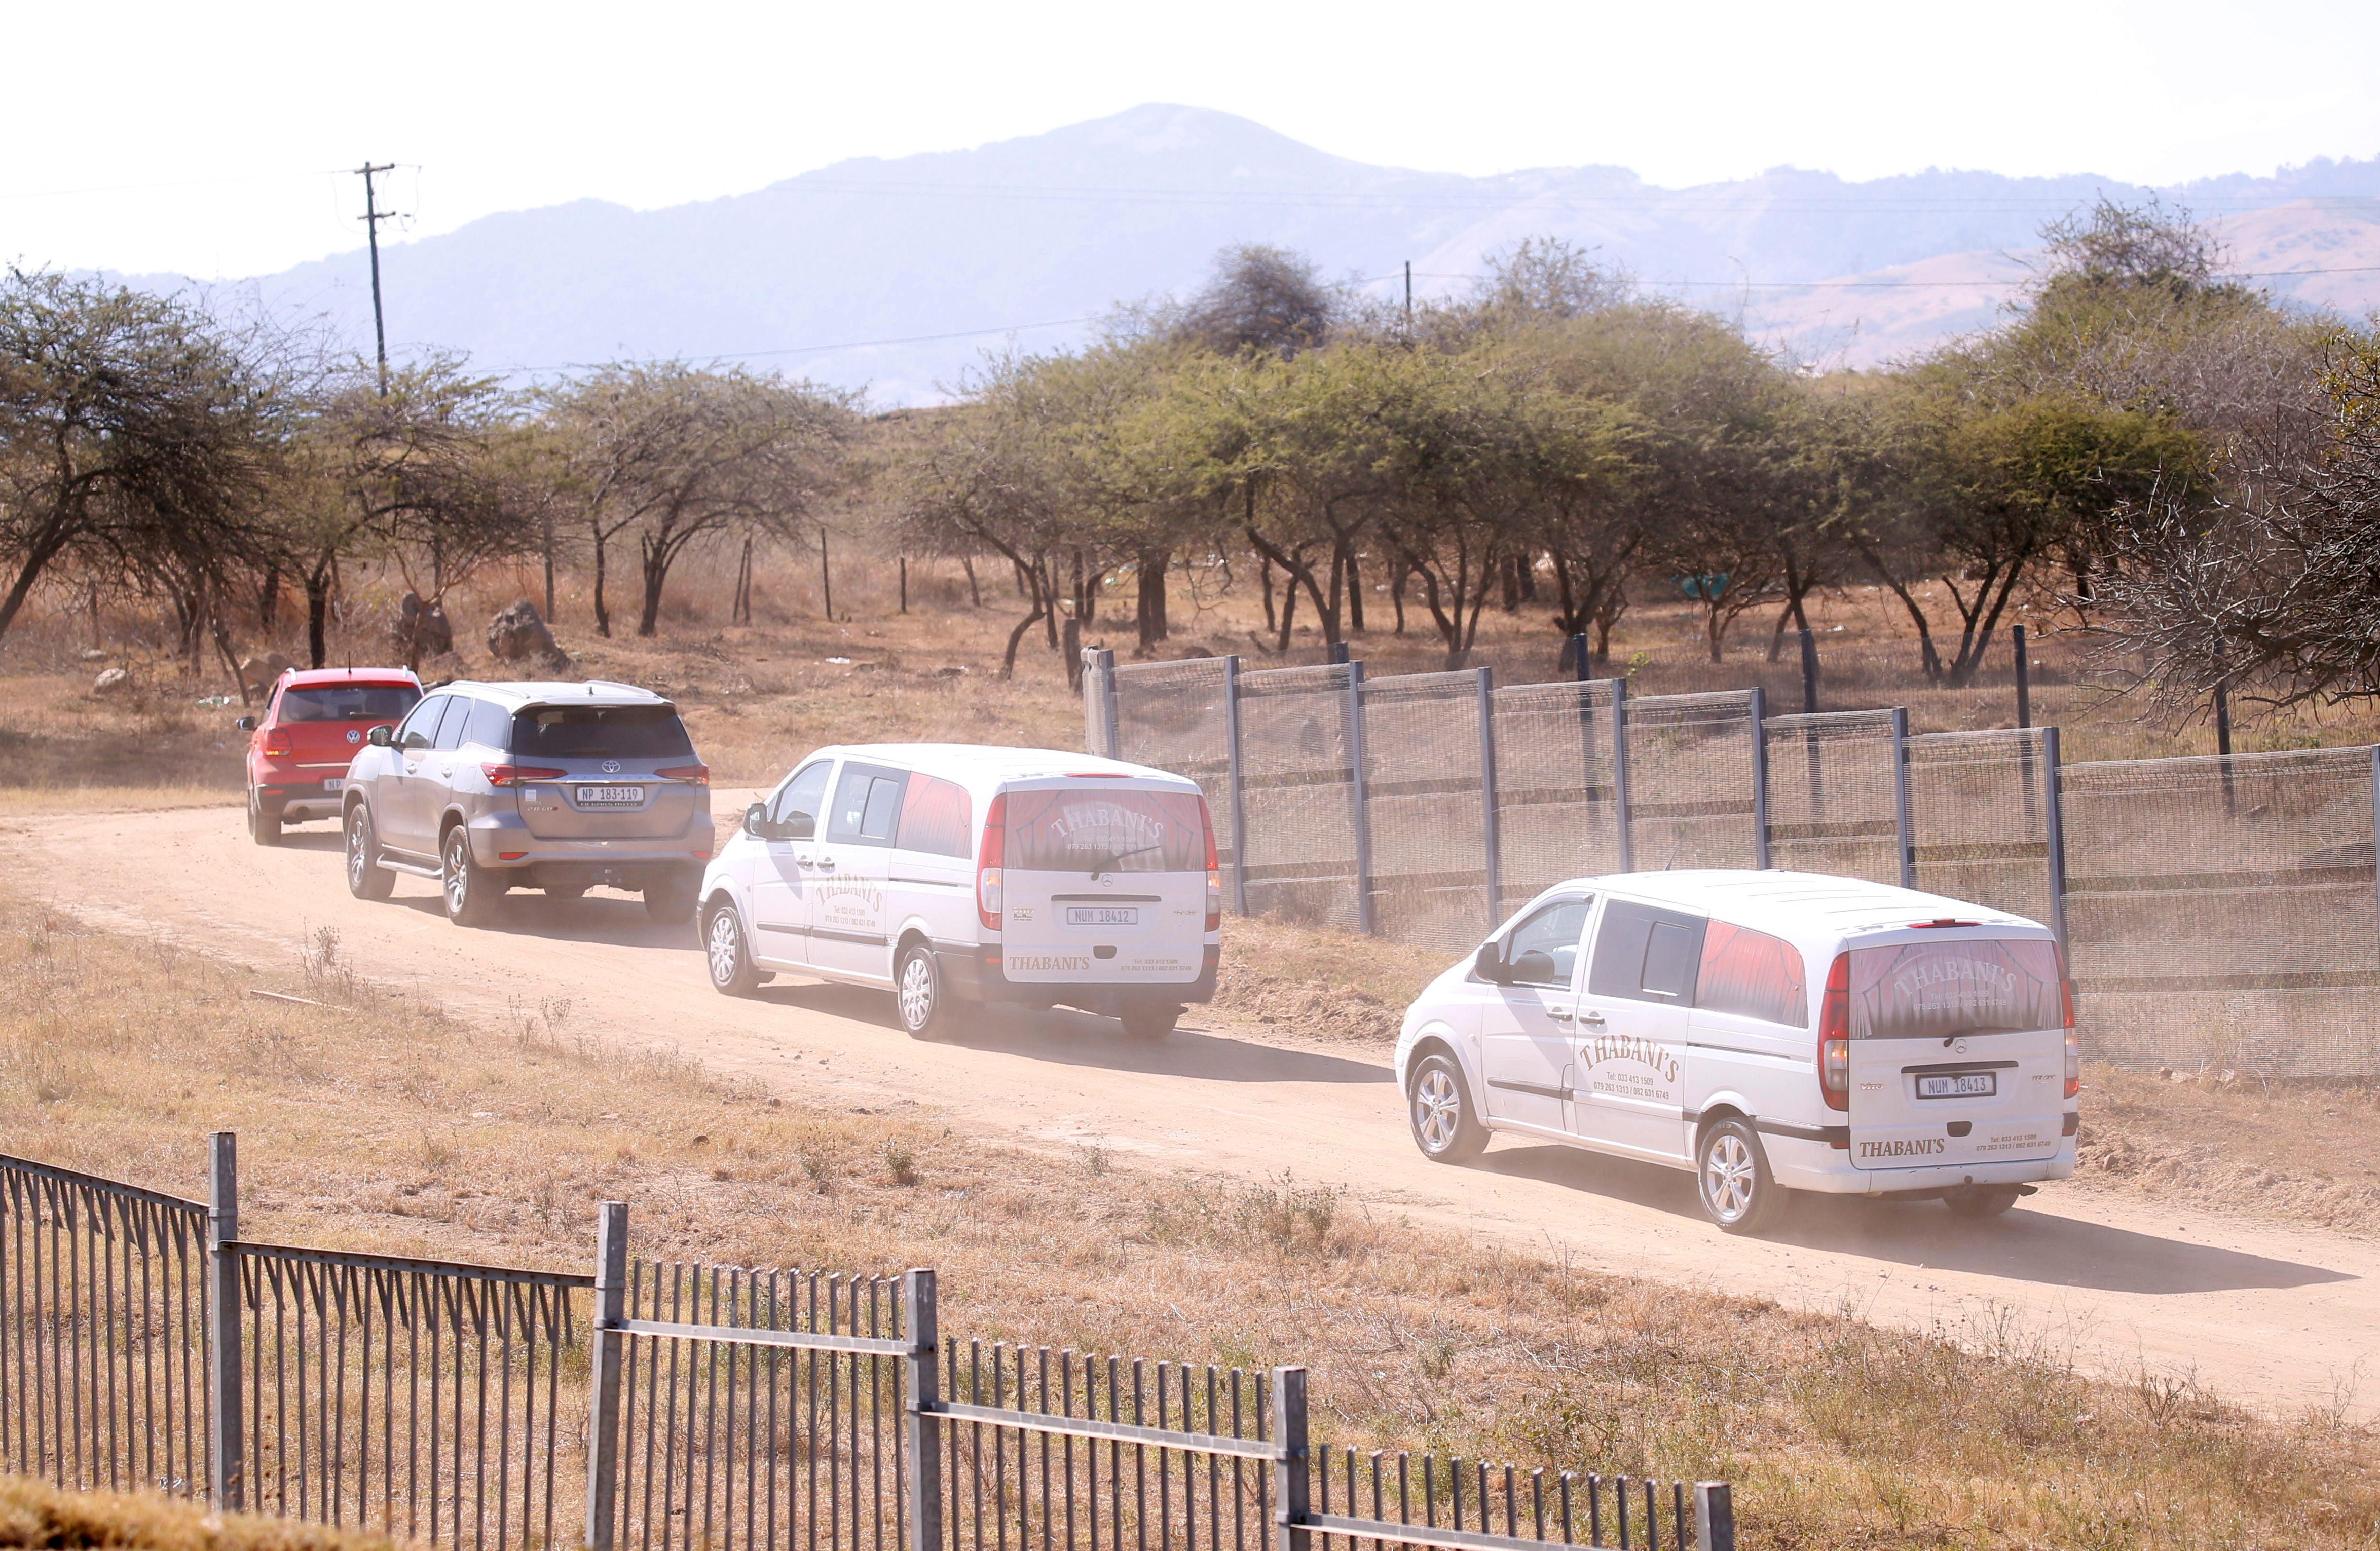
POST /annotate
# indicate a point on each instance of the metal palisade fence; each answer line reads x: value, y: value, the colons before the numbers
x: 2220, y: 910
x: 677, y: 1406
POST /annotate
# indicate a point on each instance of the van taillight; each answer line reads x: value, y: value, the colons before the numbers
x: 1834, y: 1036
x: 2073, y: 1045
x: 987, y: 864
x: 1214, y: 872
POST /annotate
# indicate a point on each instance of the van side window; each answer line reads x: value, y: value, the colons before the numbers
x: 867, y: 805
x: 937, y: 817
x: 1554, y: 931
x: 1752, y: 974
x: 1644, y: 953
x: 802, y: 800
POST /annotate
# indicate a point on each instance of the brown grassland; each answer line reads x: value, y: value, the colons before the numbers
x: 38, y: 1517
x: 379, y: 1122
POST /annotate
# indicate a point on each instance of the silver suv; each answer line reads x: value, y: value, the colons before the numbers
x: 489, y: 787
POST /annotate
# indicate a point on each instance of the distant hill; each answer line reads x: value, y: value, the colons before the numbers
x: 907, y: 267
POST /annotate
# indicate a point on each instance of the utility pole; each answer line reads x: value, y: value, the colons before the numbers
x: 372, y: 218
x: 1408, y: 297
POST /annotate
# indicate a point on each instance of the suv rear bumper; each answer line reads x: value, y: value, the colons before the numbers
x: 973, y: 974
x: 502, y: 842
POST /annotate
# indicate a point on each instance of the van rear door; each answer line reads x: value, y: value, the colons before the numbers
x: 1958, y: 1051
x: 1104, y: 883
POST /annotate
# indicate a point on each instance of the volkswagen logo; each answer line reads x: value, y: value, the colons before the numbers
x: 354, y: 736
x: 611, y: 767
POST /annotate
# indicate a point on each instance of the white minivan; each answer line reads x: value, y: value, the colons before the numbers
x: 1771, y: 1031
x: 949, y: 873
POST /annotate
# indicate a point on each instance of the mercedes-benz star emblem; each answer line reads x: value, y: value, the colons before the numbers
x: 611, y: 767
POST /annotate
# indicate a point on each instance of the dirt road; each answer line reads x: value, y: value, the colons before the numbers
x: 2263, y: 1313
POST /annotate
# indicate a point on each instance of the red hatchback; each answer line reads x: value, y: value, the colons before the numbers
x: 313, y: 724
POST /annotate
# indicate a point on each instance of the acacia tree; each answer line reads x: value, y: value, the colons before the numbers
x: 136, y: 433
x: 677, y: 454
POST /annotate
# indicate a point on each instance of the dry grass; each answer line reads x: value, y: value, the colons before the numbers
x: 42, y: 1518
x: 383, y: 1123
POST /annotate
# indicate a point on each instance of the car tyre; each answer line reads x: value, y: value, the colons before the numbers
x: 470, y: 892
x: 671, y: 903
x: 1979, y: 1202
x: 1732, y: 1179
x: 263, y: 828
x: 729, y: 955
x: 1148, y: 1024
x: 918, y: 995
x: 367, y: 879
x: 1445, y: 1123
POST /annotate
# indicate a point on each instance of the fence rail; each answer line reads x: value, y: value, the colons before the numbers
x: 684, y: 1405
x: 2221, y: 909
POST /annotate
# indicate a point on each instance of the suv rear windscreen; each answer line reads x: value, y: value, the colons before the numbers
x: 599, y: 733
x: 1936, y: 990
x: 1088, y: 830
x: 347, y: 702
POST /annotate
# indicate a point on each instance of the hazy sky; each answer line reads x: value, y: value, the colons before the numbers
x: 203, y: 137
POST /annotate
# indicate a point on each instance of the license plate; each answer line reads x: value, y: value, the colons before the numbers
x: 1102, y: 915
x: 336, y: 784
x: 1965, y: 1085
x: 611, y: 796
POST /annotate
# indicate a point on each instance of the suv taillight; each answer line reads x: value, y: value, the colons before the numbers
x: 1214, y: 872
x: 1834, y: 1036
x: 987, y: 864
x: 698, y: 774
x: 513, y: 775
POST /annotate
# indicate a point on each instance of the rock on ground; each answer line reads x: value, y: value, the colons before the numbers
x: 435, y: 636
x: 520, y: 634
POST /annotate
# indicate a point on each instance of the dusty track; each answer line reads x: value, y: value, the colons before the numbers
x: 2263, y: 1314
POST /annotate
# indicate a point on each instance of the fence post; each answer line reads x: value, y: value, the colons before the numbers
x: 1231, y: 780
x: 1359, y: 798
x: 2024, y: 678
x: 2055, y: 825
x: 1289, y: 1461
x: 1760, y: 778
x: 923, y: 1440
x: 226, y: 1440
x: 1491, y: 822
x: 1809, y: 672
x: 1714, y: 1517
x: 603, y: 1391
x: 1900, y: 797
x: 1108, y: 702
x: 1619, y: 772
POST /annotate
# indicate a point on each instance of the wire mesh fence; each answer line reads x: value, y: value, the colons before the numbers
x: 1298, y: 797
x: 1559, y: 789
x: 1177, y: 717
x: 104, y: 1315
x: 1425, y: 778
x: 1695, y: 780
x: 2222, y: 910
x: 1837, y: 800
x: 1979, y: 818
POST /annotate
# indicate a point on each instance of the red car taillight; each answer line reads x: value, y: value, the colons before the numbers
x: 1834, y: 1036
x: 987, y: 864
x: 276, y: 745
x: 1214, y: 872
x: 513, y: 775
x: 698, y: 774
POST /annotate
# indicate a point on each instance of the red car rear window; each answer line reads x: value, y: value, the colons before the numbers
x: 347, y: 702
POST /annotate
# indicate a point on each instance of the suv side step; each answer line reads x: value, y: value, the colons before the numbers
x: 416, y: 869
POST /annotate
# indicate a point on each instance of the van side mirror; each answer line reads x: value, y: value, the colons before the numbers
x: 245, y: 724
x: 1489, y: 964
x: 756, y: 822
x: 798, y: 826
x: 1535, y: 966
x: 378, y: 737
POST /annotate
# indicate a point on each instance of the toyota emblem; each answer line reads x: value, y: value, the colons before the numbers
x: 354, y: 736
x: 611, y: 767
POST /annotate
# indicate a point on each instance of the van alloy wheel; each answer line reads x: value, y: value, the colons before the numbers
x: 918, y: 992
x: 1727, y: 1177
x: 1731, y: 1178
x: 723, y: 945
x: 1437, y: 1108
x: 1443, y: 1125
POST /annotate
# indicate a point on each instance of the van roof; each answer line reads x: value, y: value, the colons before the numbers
x: 981, y: 762
x: 1800, y: 905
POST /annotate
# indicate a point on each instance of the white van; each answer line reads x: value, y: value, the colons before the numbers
x: 949, y: 873
x: 1771, y: 1031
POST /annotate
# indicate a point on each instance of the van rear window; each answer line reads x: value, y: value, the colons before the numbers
x: 600, y: 733
x: 1088, y: 829
x: 1936, y: 990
